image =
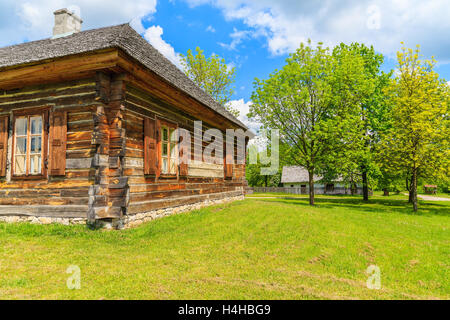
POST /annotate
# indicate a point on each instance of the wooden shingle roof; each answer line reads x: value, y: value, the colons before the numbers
x: 123, y: 37
x: 296, y: 174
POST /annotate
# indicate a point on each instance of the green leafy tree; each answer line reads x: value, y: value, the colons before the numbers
x: 389, y: 181
x: 253, y: 170
x: 212, y: 75
x: 373, y: 112
x: 418, y: 141
x: 312, y: 101
x: 255, y: 179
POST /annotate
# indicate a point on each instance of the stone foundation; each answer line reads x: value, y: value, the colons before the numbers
x: 137, y: 219
x: 43, y: 220
x: 124, y: 223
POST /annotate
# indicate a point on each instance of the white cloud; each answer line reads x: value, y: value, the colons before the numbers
x: 237, y: 37
x: 230, y: 66
x: 244, y: 108
x: 210, y: 29
x: 154, y: 36
x: 384, y: 24
x: 22, y: 20
x: 32, y: 20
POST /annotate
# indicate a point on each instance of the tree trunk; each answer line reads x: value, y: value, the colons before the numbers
x: 409, y: 188
x: 414, y: 189
x: 353, y: 188
x: 265, y: 180
x: 385, y: 192
x: 311, y: 187
x: 365, y: 185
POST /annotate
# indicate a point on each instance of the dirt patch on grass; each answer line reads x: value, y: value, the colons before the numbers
x: 319, y: 258
x: 273, y: 286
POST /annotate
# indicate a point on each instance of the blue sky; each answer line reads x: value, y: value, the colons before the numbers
x: 205, y: 26
x: 255, y: 36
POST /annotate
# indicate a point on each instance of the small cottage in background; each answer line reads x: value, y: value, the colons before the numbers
x: 430, y: 188
x: 296, y: 180
x: 86, y: 123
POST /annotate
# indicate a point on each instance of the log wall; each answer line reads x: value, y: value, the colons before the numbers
x: 65, y: 196
x: 104, y: 174
x: 204, y: 181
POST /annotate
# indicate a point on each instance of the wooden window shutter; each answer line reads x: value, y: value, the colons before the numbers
x: 182, y: 146
x: 183, y: 169
x: 3, y: 144
x: 158, y: 147
x: 150, y: 147
x: 58, y: 142
x: 228, y: 163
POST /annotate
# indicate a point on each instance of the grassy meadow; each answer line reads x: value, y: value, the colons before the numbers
x: 274, y: 248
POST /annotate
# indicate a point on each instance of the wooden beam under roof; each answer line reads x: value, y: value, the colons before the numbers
x: 60, y: 69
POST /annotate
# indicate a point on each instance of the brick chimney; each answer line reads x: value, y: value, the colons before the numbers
x: 66, y: 23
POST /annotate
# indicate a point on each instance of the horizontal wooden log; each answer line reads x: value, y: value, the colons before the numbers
x: 80, y: 173
x: 79, y: 163
x: 38, y: 193
x: 85, y: 98
x: 79, y: 116
x: 118, y: 183
x: 76, y: 154
x: 133, y: 162
x: 80, y: 145
x: 107, y: 212
x: 133, y: 172
x: 139, y: 197
x: 79, y: 136
x: 61, y: 211
x: 53, y: 201
x: 146, y: 206
x: 45, y: 89
x: 80, y: 126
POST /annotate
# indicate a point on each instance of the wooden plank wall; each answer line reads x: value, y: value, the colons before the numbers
x: 65, y: 196
x: 149, y: 193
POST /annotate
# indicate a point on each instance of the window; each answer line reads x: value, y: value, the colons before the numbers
x: 169, y: 154
x: 29, y: 144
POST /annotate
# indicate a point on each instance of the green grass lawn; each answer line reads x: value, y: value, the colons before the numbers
x: 439, y: 195
x: 377, y: 195
x: 252, y: 249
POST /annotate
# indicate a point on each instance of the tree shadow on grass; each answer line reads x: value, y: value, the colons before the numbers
x: 373, y: 205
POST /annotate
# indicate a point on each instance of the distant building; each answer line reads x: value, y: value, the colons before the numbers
x: 297, y: 177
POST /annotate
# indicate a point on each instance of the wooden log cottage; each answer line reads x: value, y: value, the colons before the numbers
x: 85, y: 131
